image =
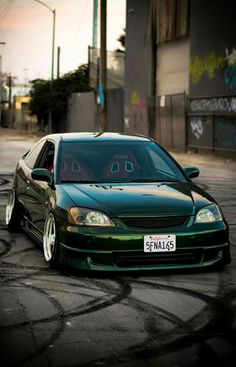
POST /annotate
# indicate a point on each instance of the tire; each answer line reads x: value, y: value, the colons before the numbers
x: 51, y: 243
x: 226, y: 258
x: 13, y: 214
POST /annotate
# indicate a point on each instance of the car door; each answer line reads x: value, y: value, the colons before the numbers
x: 40, y: 192
x: 23, y: 175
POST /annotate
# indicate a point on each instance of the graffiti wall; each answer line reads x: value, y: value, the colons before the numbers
x: 213, y: 48
x: 136, y: 120
x: 200, y: 131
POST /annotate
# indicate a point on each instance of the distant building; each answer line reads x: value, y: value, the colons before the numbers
x: 21, y: 118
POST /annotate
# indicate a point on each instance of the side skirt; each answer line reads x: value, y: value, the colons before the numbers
x: 31, y: 229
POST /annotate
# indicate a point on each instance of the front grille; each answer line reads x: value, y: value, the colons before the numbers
x: 138, y: 258
x: 154, y: 222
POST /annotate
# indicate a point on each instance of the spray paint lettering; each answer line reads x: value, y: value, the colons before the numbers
x: 209, y: 64
x: 226, y: 104
x: 196, y: 127
x: 137, y: 115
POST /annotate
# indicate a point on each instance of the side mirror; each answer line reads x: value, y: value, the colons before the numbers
x: 192, y: 172
x: 42, y: 174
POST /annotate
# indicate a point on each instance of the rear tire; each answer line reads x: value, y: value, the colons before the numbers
x: 13, y: 215
x: 51, y: 243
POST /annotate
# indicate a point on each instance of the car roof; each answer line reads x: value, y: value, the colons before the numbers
x: 70, y: 137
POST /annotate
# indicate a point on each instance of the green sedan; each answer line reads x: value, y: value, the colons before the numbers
x: 106, y: 201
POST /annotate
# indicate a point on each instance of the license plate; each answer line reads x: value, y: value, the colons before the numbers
x: 160, y: 243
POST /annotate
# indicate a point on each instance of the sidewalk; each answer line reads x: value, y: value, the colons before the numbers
x: 13, y: 144
x: 189, y: 158
x: 12, y: 134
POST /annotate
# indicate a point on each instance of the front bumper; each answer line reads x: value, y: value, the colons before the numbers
x: 113, y: 249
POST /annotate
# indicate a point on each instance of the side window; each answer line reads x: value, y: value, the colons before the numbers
x: 31, y: 158
x: 47, y: 159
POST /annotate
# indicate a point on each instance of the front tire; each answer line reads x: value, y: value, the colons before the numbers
x: 13, y: 214
x: 51, y: 246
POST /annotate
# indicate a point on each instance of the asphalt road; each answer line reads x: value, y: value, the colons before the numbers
x: 165, y: 319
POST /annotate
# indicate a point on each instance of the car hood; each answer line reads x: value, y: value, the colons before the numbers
x: 133, y: 199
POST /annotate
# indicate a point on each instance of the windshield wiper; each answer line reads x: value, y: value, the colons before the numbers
x: 119, y: 182
x: 77, y: 181
x: 152, y: 180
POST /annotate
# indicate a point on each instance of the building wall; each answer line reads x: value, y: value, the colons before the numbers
x: 193, y: 45
x: 213, y: 48
x: 81, y: 116
x: 137, y: 66
x: 172, y: 71
x: 212, y: 103
x: 173, y: 68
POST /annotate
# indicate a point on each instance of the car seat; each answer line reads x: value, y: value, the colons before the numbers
x: 73, y: 169
x: 121, y: 166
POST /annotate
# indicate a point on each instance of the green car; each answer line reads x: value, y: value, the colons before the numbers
x: 106, y: 201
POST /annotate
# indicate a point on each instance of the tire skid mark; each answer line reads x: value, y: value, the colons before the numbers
x: 142, y: 306
x: 5, y: 282
x: 62, y: 316
x: 4, y: 192
x: 6, y: 247
x: 3, y: 226
x: 150, y: 314
x: 218, y: 307
x: 152, y: 348
x: 59, y: 317
x: 20, y: 252
x: 3, y: 181
x: 91, y: 307
x: 124, y: 292
x: 215, y: 325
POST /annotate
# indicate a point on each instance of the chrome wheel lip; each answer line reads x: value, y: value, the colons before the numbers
x: 10, y: 207
x: 49, y: 237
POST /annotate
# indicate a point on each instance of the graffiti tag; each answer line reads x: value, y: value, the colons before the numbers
x: 196, y: 127
x: 213, y: 104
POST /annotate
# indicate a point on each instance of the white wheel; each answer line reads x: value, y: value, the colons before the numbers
x: 13, y: 215
x: 50, y: 238
x: 10, y: 207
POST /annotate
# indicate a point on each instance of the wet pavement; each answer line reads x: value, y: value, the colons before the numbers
x: 166, y: 319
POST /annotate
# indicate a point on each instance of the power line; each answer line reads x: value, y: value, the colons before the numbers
x: 79, y: 26
x: 5, y: 11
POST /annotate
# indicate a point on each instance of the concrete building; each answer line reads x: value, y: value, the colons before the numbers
x: 180, y: 72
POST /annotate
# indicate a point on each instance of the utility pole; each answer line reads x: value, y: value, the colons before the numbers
x: 53, y: 11
x: 10, y: 90
x: 95, y: 24
x: 103, y: 59
x: 58, y: 61
x: 1, y: 43
x: 52, y: 69
x: 0, y: 90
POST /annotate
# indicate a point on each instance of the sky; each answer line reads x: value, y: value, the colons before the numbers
x: 26, y: 27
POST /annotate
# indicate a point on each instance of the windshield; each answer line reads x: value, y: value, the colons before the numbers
x: 126, y: 161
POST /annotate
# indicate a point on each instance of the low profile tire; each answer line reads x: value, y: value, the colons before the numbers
x: 51, y: 245
x: 226, y: 259
x: 13, y: 215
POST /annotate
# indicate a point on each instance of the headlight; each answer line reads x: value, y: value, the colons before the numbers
x: 89, y: 217
x: 209, y: 214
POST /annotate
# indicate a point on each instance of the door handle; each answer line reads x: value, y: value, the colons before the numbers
x: 28, y: 183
